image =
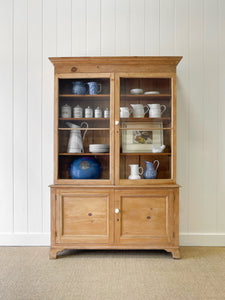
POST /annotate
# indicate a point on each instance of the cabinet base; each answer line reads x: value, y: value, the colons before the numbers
x: 54, y: 251
x: 174, y: 251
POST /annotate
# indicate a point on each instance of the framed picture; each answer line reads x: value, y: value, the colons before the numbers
x: 141, y: 140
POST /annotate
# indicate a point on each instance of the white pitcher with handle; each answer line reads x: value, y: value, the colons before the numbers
x: 135, y: 171
x: 75, y: 144
x: 139, y: 110
x: 156, y: 110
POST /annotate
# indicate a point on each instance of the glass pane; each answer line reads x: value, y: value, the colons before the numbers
x: 84, y: 128
x: 145, y: 128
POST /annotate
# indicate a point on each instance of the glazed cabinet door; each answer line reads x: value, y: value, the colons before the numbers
x: 84, y: 128
x: 145, y: 128
x: 144, y: 217
x: 84, y: 216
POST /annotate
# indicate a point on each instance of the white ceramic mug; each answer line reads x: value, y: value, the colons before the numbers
x: 156, y: 110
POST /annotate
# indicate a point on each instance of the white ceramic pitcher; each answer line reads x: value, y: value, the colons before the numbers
x: 125, y: 112
x: 75, y: 144
x: 139, y: 110
x: 156, y: 110
x: 135, y: 171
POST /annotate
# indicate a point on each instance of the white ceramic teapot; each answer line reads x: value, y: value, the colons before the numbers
x: 139, y: 110
x: 75, y: 144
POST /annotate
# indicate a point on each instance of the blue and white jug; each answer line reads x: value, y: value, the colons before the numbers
x: 79, y: 88
x: 150, y: 170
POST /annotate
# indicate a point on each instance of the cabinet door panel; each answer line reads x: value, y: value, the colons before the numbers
x: 144, y: 217
x: 84, y: 217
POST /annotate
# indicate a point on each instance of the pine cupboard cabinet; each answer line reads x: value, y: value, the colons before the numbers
x: 114, y: 210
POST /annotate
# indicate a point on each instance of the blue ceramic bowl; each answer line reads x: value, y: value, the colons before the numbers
x: 85, y: 168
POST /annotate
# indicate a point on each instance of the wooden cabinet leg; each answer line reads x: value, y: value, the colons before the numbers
x: 53, y: 252
x: 174, y: 251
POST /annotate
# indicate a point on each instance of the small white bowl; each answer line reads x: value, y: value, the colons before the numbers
x: 136, y: 91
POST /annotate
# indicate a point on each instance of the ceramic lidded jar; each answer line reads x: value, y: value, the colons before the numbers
x: 98, y: 112
x: 106, y: 113
x: 88, y: 112
x: 77, y: 112
x: 66, y: 111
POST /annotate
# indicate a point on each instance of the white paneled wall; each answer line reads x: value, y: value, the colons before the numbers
x: 33, y: 30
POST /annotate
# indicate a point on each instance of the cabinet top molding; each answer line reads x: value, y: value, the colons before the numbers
x: 109, y: 60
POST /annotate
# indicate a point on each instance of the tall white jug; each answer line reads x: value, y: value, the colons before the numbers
x: 75, y: 144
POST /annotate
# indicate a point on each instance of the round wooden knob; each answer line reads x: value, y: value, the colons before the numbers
x: 117, y: 210
x: 73, y: 69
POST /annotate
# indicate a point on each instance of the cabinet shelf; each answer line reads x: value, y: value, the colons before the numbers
x: 165, y: 120
x: 84, y: 119
x: 84, y: 154
x: 145, y: 119
x: 88, y: 129
x: 146, y: 128
x: 84, y: 96
x: 146, y: 154
x: 142, y: 96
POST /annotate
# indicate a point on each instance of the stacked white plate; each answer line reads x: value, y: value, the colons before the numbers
x: 98, y: 148
x: 151, y: 92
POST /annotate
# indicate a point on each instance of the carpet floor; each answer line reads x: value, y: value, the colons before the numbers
x: 26, y: 273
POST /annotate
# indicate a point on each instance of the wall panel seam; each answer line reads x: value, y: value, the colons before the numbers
x: 42, y: 78
x: 27, y: 117
x: 13, y: 80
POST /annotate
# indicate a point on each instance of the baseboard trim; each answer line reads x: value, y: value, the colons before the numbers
x: 202, y: 239
x: 25, y: 239
x: 43, y: 239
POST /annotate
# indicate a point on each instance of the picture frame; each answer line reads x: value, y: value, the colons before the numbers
x: 141, y: 136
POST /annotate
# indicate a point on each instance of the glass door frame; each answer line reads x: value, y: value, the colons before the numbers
x: 172, y: 179
x: 98, y: 182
